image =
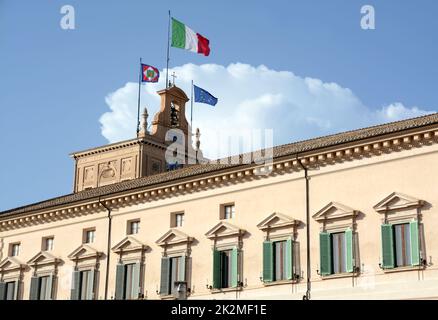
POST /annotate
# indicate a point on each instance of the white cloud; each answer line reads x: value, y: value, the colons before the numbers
x: 252, y: 98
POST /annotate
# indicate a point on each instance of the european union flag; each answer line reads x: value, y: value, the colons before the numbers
x: 204, y: 96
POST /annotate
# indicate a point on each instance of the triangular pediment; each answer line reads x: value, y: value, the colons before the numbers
x: 11, y: 263
x: 173, y: 236
x: 397, y: 201
x: 335, y: 210
x: 129, y: 244
x: 84, y: 251
x: 277, y: 220
x: 43, y: 257
x: 224, y: 229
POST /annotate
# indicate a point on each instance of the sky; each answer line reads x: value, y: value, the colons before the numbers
x: 301, y: 68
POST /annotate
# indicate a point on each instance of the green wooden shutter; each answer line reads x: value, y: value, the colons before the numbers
x: 120, y: 281
x: 234, y: 267
x: 415, y: 243
x: 387, y: 246
x: 2, y: 290
x: 34, y: 288
x: 349, y: 250
x: 91, y: 284
x: 182, y: 268
x: 76, y: 287
x: 289, y: 258
x: 216, y: 269
x: 135, y: 290
x: 165, y: 276
x: 268, y: 261
x: 325, y: 253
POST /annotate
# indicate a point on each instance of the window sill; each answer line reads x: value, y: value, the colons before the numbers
x: 407, y: 268
x: 226, y: 290
x: 167, y: 297
x: 340, y: 275
x: 275, y: 283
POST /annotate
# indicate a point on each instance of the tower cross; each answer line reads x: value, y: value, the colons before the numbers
x: 173, y: 75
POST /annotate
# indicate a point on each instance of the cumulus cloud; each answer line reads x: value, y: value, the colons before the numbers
x: 251, y: 97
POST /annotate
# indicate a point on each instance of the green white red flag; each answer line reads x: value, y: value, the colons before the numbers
x: 185, y: 38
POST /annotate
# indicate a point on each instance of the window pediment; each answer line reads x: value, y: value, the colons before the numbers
x: 129, y: 243
x: 173, y: 236
x: 43, y: 258
x: 334, y: 211
x: 277, y: 220
x: 397, y: 201
x: 84, y: 251
x: 10, y: 264
x: 224, y: 229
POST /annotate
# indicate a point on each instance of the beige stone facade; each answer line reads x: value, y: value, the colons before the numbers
x: 357, y: 182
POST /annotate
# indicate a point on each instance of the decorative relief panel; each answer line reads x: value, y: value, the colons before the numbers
x: 127, y: 166
x: 89, y: 175
x: 107, y: 172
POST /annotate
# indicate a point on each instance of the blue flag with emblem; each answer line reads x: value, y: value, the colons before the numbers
x: 204, y: 96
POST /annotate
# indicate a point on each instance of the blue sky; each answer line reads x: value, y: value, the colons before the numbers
x: 57, y: 84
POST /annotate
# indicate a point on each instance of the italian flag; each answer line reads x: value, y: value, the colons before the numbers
x: 185, y: 38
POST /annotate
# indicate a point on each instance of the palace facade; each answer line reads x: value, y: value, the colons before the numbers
x: 345, y: 216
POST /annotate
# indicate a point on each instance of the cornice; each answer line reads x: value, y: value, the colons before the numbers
x: 117, y: 146
x: 285, y: 165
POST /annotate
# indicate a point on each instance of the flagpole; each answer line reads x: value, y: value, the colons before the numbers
x: 168, y: 52
x: 191, y: 106
x: 138, y: 105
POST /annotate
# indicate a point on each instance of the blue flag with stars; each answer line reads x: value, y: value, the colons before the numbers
x: 204, y: 96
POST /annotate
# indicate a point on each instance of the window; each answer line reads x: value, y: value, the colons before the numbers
x: 9, y: 290
x: 128, y: 281
x: 86, y: 285
x: 227, y: 211
x: 133, y: 226
x: 89, y: 235
x: 278, y: 260
x: 172, y: 269
x: 177, y: 219
x: 83, y: 285
x: 14, y: 249
x: 339, y: 251
x: 336, y: 252
x: 41, y: 288
x: 225, y: 268
x: 402, y: 239
x: 48, y: 243
x: 400, y: 245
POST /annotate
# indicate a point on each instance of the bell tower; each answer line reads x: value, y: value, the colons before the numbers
x: 172, y: 113
x: 145, y: 155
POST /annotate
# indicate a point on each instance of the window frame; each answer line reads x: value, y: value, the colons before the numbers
x: 174, y: 219
x: 223, y: 211
x: 129, y: 227
x: 12, y: 251
x: 44, y: 243
x: 406, y: 253
x: 85, y: 235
